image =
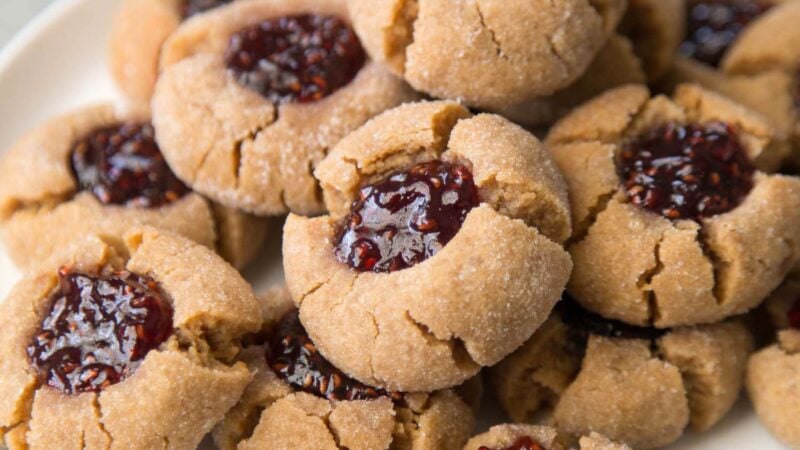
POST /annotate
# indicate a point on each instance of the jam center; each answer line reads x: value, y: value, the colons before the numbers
x: 584, y: 323
x: 687, y: 171
x: 300, y: 58
x: 98, y: 330
x: 523, y: 443
x: 192, y: 7
x: 713, y: 25
x: 295, y: 359
x: 123, y: 165
x: 407, y: 218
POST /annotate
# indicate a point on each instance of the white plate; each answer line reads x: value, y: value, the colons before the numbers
x: 57, y: 63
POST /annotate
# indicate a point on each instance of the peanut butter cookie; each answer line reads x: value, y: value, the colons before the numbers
x: 442, y: 252
x: 491, y: 54
x: 615, y: 65
x: 123, y: 345
x: 138, y: 31
x: 676, y: 220
x: 772, y: 373
x: 639, y: 386
x: 758, y: 68
x: 534, y: 437
x: 255, y: 93
x: 297, y: 399
x: 100, y: 171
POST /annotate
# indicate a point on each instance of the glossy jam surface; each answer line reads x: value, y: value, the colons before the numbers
x: 192, y: 7
x: 794, y: 315
x: 122, y: 165
x: 686, y: 171
x: 406, y: 218
x: 584, y: 323
x: 98, y: 330
x: 713, y: 25
x: 295, y: 359
x: 522, y: 443
x: 296, y: 59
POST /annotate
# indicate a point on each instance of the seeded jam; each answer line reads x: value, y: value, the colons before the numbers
x: 98, y: 330
x: 295, y: 359
x: 686, y: 171
x: 192, y: 7
x: 713, y: 25
x: 584, y: 322
x: 406, y: 218
x: 122, y: 165
x: 296, y: 59
x: 523, y: 443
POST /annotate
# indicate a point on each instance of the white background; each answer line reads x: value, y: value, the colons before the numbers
x: 15, y: 13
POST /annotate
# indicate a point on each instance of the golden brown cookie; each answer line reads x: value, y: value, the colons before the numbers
x: 244, y: 113
x: 639, y: 386
x: 490, y: 54
x: 297, y: 399
x: 535, y: 437
x: 442, y: 252
x: 676, y: 220
x: 112, y: 345
x: 615, y: 65
x: 757, y: 69
x: 138, y: 31
x: 97, y: 170
x: 656, y: 28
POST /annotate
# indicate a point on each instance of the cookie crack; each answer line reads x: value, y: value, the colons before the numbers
x: 644, y: 283
x: 408, y: 12
x: 492, y: 35
x: 460, y: 354
x: 582, y: 229
x: 98, y: 412
x: 718, y: 264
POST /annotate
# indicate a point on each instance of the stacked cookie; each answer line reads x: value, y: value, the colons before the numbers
x: 601, y: 276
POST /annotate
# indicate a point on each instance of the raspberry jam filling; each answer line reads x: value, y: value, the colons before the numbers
x: 583, y: 323
x: 713, y: 25
x: 686, y: 171
x: 98, y: 330
x: 406, y: 218
x: 523, y: 443
x: 794, y: 315
x: 192, y: 7
x: 299, y: 59
x: 122, y: 165
x: 295, y: 359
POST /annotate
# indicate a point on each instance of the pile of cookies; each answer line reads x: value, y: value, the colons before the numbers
x: 588, y: 204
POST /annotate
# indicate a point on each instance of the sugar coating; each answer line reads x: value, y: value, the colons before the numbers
x: 234, y: 146
x: 41, y: 209
x: 434, y: 325
x: 641, y: 268
x: 504, y: 435
x: 214, y: 308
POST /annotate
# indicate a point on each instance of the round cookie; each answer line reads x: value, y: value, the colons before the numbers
x: 535, y: 437
x: 442, y: 252
x: 656, y: 28
x: 615, y: 65
x: 251, y: 99
x: 491, y: 54
x: 96, y: 170
x: 105, y: 344
x: 676, y: 221
x: 640, y: 386
x: 299, y: 400
x: 138, y: 31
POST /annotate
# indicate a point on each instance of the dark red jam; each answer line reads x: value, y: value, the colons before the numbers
x: 687, y: 171
x: 122, y: 165
x: 794, y: 315
x: 192, y: 7
x: 523, y: 443
x: 296, y: 59
x: 713, y: 25
x: 406, y: 218
x: 98, y: 330
x: 295, y: 359
x: 584, y: 323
